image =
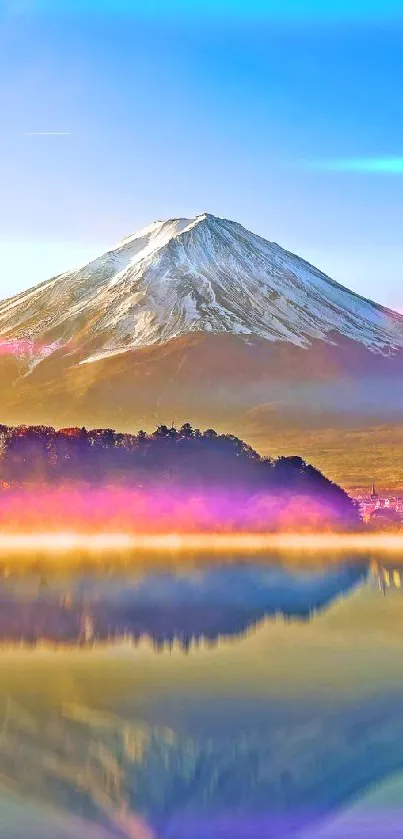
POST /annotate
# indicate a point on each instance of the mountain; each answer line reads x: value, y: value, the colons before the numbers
x: 183, y: 276
x: 278, y: 774
x: 202, y: 319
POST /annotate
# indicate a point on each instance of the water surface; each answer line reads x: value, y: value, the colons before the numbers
x: 256, y: 700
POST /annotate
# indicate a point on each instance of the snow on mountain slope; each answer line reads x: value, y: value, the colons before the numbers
x: 181, y: 276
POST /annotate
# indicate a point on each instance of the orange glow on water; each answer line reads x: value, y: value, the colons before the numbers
x: 50, y: 543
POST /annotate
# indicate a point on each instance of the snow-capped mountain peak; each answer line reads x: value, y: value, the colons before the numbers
x: 153, y: 236
x: 180, y: 276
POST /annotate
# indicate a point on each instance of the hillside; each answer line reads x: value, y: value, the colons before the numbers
x: 172, y: 480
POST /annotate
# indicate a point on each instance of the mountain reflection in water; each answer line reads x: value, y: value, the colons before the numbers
x: 275, y: 730
x: 184, y: 606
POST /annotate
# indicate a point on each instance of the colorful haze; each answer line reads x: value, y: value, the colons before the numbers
x: 122, y: 510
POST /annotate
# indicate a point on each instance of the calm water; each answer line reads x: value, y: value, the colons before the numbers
x: 225, y: 701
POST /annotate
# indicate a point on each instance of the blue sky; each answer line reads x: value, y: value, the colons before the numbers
x: 286, y: 116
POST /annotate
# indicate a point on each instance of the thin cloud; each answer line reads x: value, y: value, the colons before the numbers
x: 365, y: 165
x: 48, y: 133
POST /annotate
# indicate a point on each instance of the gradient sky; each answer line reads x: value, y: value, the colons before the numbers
x: 284, y: 115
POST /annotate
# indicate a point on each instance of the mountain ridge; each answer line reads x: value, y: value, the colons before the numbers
x: 183, y: 275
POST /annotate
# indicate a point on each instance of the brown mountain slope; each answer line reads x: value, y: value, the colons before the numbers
x: 338, y: 406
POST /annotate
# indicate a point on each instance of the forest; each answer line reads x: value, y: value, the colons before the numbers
x: 177, y: 478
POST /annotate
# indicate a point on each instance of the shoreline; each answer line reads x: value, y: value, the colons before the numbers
x: 132, y: 549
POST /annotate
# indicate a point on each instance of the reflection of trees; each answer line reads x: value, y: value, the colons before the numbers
x: 170, y: 609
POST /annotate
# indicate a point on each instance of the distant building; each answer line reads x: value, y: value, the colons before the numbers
x: 385, y: 515
x: 374, y: 495
x: 375, y: 505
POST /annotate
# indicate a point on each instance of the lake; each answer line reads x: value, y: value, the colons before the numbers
x: 202, y: 700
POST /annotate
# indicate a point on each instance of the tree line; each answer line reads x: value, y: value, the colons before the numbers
x: 173, y: 460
